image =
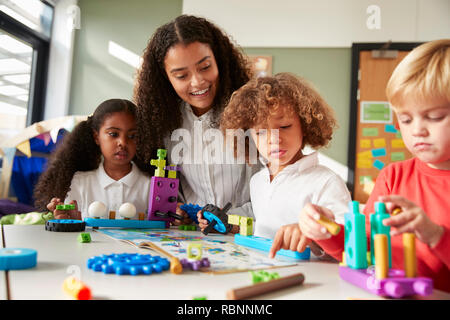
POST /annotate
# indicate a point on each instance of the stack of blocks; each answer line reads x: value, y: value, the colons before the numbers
x: 163, y: 191
x: 245, y: 224
x: 383, y: 280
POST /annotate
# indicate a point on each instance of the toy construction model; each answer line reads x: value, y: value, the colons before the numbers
x: 381, y: 280
x: 97, y: 217
x: 162, y: 200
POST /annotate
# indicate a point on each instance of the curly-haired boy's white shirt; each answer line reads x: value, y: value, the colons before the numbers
x: 95, y: 185
x: 278, y: 202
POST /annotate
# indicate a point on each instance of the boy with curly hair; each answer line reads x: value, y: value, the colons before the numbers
x: 284, y: 113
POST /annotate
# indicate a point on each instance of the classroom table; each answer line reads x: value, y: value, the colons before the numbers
x: 61, y: 255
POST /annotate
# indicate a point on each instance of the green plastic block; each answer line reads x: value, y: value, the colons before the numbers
x: 263, y: 276
x: 187, y: 227
x: 377, y: 227
x: 355, y: 238
x: 84, y: 237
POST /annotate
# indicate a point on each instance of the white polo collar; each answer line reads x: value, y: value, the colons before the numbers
x: 306, y: 162
x: 129, y: 180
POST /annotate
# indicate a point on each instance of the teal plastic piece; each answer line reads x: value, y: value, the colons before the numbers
x: 119, y: 223
x: 377, y: 227
x: 355, y: 238
x: 17, y: 258
x: 265, y: 244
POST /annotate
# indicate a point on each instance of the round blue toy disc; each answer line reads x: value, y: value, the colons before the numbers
x: 17, y: 258
x: 220, y: 227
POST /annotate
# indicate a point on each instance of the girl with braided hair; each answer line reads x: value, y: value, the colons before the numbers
x: 95, y: 162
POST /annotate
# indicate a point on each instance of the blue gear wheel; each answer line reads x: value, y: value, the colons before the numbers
x: 191, y: 210
x: 128, y: 263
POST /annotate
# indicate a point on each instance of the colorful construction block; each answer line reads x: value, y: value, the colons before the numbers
x: 377, y: 227
x: 355, y: 238
x: 122, y: 223
x: 382, y: 280
x: 196, y: 264
x: 191, y: 210
x: 263, y: 276
x: 187, y: 227
x: 84, y: 237
x: 265, y: 244
x: 396, y: 285
x: 128, y: 263
x: 162, y: 199
x: 218, y: 219
x: 234, y: 219
x: 246, y: 226
x: 159, y: 163
x: 198, y: 247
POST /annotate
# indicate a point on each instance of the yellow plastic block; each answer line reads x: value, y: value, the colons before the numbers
x: 198, y: 247
x: 409, y: 253
x: 331, y: 226
x: 234, y: 219
x: 245, y: 230
x: 381, y: 256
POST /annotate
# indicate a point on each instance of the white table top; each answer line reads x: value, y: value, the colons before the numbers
x: 61, y: 255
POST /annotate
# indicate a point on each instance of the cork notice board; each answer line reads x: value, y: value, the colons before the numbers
x: 375, y: 141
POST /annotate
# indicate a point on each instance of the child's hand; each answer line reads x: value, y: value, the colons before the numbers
x: 289, y: 237
x: 412, y: 219
x: 181, y: 212
x: 65, y: 214
x: 202, y: 222
x: 308, y: 221
x: 52, y: 205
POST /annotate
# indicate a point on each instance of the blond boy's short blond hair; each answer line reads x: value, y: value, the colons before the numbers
x: 423, y: 74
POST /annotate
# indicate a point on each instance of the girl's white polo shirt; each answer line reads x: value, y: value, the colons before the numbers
x: 96, y: 185
x: 279, y: 202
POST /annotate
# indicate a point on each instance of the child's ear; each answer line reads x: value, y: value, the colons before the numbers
x: 95, y: 133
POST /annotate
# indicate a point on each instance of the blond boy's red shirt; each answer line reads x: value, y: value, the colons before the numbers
x: 429, y: 189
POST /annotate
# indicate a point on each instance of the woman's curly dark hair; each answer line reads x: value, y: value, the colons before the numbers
x: 77, y: 152
x: 254, y: 102
x: 158, y: 104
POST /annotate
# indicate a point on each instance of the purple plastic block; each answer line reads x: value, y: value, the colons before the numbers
x: 395, y: 286
x: 162, y: 198
x: 195, y: 265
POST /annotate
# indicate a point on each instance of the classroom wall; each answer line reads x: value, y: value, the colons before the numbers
x: 97, y: 75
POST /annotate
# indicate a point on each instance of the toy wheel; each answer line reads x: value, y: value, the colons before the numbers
x: 65, y: 225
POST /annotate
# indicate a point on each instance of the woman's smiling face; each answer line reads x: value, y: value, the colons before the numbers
x: 192, y: 70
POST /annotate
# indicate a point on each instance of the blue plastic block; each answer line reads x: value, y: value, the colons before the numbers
x: 128, y: 263
x: 355, y: 238
x: 377, y: 227
x: 265, y: 244
x: 17, y: 258
x: 191, y: 210
x: 119, y: 223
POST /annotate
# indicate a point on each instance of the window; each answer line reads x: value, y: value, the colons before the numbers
x: 25, y: 30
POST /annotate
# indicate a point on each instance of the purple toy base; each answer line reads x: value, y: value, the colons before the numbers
x: 195, y: 264
x: 395, y: 286
x: 163, y: 198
